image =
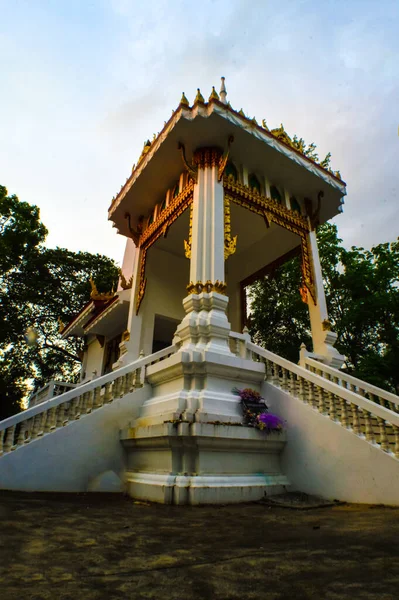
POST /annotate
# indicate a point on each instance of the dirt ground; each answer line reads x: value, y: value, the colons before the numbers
x: 104, y: 547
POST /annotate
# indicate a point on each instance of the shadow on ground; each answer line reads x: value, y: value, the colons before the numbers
x: 104, y: 547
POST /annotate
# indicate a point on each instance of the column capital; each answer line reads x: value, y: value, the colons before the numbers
x: 207, y: 157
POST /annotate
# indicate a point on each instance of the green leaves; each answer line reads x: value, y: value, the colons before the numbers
x: 362, y: 291
x: 39, y: 285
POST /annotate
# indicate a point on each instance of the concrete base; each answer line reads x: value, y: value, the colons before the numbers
x: 202, y: 463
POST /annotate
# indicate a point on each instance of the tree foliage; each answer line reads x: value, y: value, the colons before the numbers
x: 362, y: 291
x: 39, y: 287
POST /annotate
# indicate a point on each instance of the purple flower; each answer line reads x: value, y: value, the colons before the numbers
x: 270, y: 421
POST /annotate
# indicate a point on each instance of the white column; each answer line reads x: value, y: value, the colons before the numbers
x: 205, y: 326
x: 322, y: 336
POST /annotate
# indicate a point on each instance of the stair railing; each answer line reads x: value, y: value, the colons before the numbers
x: 61, y: 410
x: 364, y: 417
x: 367, y: 390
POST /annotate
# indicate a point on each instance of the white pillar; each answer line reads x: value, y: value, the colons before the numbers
x: 205, y: 326
x: 322, y: 336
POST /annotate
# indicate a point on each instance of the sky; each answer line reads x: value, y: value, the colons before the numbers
x: 84, y: 83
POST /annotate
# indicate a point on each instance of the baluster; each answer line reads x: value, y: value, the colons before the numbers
x: 122, y: 384
x: 89, y: 401
x: 396, y: 431
x: 35, y: 427
x: 333, y: 407
x: 21, y: 433
x: 59, y: 421
x: 138, y: 383
x: 302, y: 391
x: 83, y: 403
x: 132, y: 381
x: 41, y: 423
x: 28, y: 430
x: 97, y: 402
x: 284, y: 382
x: 321, y: 402
x: 356, y: 420
x: 126, y: 387
x: 369, y: 432
x: 310, y: 393
x: 275, y: 376
x: 72, y: 408
x: 9, y: 438
x: 292, y: 384
x: 78, y: 407
x: 344, y: 413
x: 50, y: 417
x: 1, y: 442
x: 384, y: 443
x: 108, y: 392
x: 268, y: 370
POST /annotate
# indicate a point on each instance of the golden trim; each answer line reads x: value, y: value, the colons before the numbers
x: 187, y: 245
x: 230, y: 243
x: 96, y: 295
x: 274, y: 212
x: 207, y: 287
x: 207, y: 157
x: 225, y: 158
x: 158, y: 228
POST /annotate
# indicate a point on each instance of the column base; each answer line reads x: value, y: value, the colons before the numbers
x: 201, y: 463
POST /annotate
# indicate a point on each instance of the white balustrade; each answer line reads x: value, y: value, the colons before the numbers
x: 62, y: 409
x: 357, y: 386
x: 341, y: 398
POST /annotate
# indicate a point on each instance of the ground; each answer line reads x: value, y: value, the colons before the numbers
x: 104, y: 547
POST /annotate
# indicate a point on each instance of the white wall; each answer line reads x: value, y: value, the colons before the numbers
x: 167, y: 278
x: 72, y: 457
x: 323, y: 458
x: 94, y: 360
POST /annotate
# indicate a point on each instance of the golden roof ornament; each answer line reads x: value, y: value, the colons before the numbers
x: 223, y: 92
x: 241, y: 112
x: 199, y: 97
x: 214, y: 95
x: 146, y: 148
x: 183, y: 100
x: 96, y: 295
x: 264, y: 125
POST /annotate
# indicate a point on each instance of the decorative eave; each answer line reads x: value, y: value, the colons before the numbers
x: 75, y: 326
x: 205, y: 110
x: 115, y: 305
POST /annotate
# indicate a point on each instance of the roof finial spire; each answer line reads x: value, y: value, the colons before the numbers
x: 223, y: 92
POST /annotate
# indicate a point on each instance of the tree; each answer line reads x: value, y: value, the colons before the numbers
x: 39, y: 287
x: 362, y: 292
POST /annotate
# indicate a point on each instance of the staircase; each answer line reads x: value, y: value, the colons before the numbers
x: 343, y: 434
x: 65, y: 443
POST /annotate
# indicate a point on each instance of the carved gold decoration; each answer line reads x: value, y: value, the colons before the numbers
x: 183, y: 100
x: 326, y: 325
x: 159, y: 227
x: 135, y: 233
x: 125, y: 284
x: 187, y: 245
x: 207, y: 287
x: 264, y: 125
x: 96, y: 295
x: 274, y: 212
x: 303, y: 290
x: 145, y: 150
x: 61, y: 324
x: 191, y: 168
x: 207, y: 157
x: 214, y: 95
x: 199, y: 97
x: 230, y: 243
x: 224, y: 158
x: 126, y: 336
x: 282, y: 135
